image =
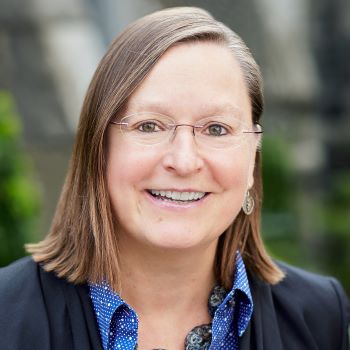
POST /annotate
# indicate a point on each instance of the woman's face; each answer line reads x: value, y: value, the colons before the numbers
x: 190, y: 82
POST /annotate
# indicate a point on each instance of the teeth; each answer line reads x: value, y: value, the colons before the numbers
x: 176, y: 196
x: 179, y: 196
x: 185, y: 196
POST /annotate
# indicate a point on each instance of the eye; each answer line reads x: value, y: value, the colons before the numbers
x: 149, y: 126
x: 216, y: 129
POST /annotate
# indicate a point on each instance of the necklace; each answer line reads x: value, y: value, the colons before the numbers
x: 199, y: 338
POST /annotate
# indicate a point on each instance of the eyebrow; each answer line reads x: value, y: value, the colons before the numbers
x: 208, y: 109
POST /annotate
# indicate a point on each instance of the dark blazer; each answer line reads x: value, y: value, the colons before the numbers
x: 39, y: 311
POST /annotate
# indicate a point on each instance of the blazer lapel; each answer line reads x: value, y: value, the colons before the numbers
x: 263, y: 330
x: 70, y: 313
x: 90, y: 319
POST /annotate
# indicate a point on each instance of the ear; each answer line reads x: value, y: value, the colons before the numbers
x: 258, y: 128
x: 251, y: 178
x: 257, y: 148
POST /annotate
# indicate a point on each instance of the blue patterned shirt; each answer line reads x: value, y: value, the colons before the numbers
x: 118, y: 322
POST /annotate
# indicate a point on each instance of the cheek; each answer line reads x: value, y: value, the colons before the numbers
x: 124, y: 174
x: 233, y: 175
x: 128, y: 166
x: 122, y: 169
x: 234, y: 172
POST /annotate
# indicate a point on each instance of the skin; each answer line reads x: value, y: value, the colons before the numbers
x: 170, y: 249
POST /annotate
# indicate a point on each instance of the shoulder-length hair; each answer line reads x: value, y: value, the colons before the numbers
x: 82, y: 243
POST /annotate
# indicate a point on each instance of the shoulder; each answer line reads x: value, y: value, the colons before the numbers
x: 25, y: 282
x: 309, y: 289
x: 17, y: 279
x: 310, y: 301
x: 21, y: 288
x: 42, y: 311
x: 26, y: 293
x: 23, y: 265
x: 303, y: 311
x: 22, y: 306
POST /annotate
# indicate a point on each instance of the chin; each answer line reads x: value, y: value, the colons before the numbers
x: 174, y: 241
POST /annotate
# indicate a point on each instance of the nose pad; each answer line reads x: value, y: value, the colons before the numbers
x: 183, y: 156
x: 175, y: 130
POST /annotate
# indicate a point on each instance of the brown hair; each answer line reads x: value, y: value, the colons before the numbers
x: 82, y: 243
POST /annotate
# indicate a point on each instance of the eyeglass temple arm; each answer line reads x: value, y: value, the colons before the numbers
x: 253, y: 132
x: 118, y: 123
x: 260, y: 131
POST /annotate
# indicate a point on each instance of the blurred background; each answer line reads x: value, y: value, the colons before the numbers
x: 50, y: 49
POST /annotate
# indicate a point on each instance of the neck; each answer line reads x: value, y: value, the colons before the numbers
x: 170, y: 280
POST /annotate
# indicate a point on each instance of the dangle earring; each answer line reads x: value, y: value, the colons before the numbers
x: 248, y: 204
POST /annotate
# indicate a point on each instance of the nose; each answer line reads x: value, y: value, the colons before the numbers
x: 182, y: 156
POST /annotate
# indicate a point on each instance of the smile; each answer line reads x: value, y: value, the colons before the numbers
x: 177, y: 196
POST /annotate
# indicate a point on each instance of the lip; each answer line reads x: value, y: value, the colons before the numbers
x: 177, y: 205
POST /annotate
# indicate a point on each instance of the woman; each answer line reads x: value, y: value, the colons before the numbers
x: 156, y: 243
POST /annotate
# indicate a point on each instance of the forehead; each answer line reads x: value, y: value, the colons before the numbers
x: 194, y: 79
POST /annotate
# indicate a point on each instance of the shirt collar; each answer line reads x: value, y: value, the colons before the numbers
x: 106, y: 302
x: 241, y: 284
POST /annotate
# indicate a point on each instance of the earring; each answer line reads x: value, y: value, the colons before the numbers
x: 248, y: 204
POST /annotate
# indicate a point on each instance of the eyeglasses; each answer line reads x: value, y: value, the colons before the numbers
x: 148, y: 128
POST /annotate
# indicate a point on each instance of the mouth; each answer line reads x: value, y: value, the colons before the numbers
x: 178, y: 196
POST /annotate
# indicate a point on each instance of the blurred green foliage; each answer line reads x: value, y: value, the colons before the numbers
x: 334, y: 213
x: 325, y: 249
x: 19, y: 195
x: 279, y: 223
